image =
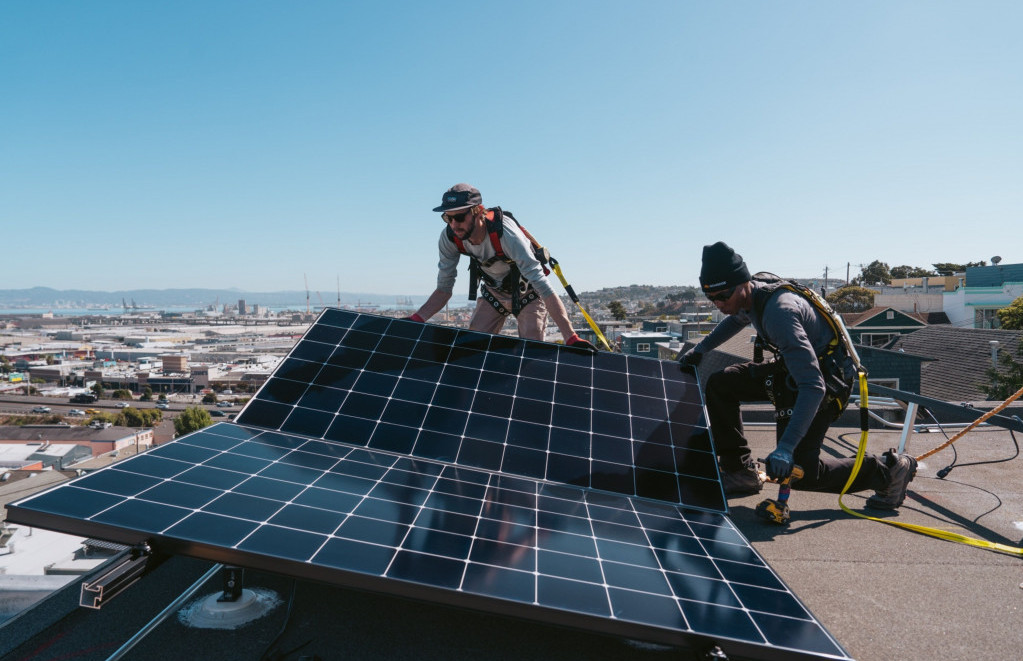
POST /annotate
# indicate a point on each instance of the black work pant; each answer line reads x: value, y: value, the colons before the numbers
x: 745, y: 383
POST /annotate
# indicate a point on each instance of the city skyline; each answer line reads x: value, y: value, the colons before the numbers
x: 254, y: 145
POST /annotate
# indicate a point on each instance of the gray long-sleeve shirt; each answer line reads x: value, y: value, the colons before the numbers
x: 792, y: 324
x: 515, y: 246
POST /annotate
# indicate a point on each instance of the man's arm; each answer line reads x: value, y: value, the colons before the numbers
x: 559, y: 316
x: 782, y: 323
x: 438, y: 299
x: 446, y: 273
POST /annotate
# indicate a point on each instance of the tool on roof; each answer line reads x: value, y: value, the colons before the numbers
x: 777, y: 511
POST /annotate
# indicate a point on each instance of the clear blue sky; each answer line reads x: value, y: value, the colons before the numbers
x: 247, y: 143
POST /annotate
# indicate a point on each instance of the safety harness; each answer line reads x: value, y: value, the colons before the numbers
x: 838, y: 367
x: 514, y: 284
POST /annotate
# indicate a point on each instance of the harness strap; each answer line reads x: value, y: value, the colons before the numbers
x: 517, y: 302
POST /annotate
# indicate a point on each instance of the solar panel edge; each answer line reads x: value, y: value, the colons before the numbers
x: 612, y: 627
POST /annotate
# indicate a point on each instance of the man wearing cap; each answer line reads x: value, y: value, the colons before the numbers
x: 512, y: 283
x: 788, y: 321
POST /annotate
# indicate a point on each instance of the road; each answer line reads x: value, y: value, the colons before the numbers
x: 22, y: 405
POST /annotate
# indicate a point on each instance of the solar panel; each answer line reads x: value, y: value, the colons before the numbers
x: 400, y: 512
x: 606, y: 421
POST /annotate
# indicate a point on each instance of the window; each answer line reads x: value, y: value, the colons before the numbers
x: 986, y: 318
x: 877, y: 339
x: 890, y: 315
x: 887, y: 383
x: 643, y: 347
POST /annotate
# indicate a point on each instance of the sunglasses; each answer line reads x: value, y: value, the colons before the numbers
x: 721, y: 296
x: 452, y: 218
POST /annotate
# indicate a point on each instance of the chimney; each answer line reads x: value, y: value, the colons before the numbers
x: 994, y: 353
x: 925, y: 284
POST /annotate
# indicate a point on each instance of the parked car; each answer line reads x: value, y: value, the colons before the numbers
x: 40, y: 409
x: 99, y: 424
x: 76, y: 413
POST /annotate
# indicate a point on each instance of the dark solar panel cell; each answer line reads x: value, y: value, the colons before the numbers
x: 350, y: 357
x: 571, y: 417
x: 308, y: 422
x: 535, y: 390
x: 181, y: 495
x: 282, y: 391
x: 309, y: 519
x: 316, y: 352
x: 212, y: 529
x: 334, y: 376
x: 326, y: 334
x: 297, y: 370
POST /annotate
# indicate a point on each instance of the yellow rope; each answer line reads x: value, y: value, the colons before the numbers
x: 995, y: 411
x: 923, y: 530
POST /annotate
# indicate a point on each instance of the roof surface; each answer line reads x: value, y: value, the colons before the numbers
x: 961, y: 358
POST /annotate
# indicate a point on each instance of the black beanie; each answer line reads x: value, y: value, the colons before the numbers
x: 722, y: 268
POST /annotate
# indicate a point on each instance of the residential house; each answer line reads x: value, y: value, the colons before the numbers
x: 879, y: 326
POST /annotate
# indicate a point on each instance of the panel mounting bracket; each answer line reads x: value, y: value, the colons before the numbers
x: 122, y: 573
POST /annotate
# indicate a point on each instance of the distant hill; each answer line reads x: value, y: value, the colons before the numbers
x: 41, y: 297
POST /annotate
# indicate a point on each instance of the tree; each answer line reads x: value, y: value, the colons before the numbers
x: 132, y: 417
x: 209, y: 398
x: 98, y: 389
x: 950, y: 268
x: 1007, y: 378
x: 147, y: 394
x: 851, y: 299
x: 911, y: 272
x: 617, y: 310
x: 1011, y: 318
x: 192, y: 419
x: 121, y: 393
x: 873, y: 273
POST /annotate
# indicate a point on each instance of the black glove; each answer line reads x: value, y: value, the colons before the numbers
x: 688, y: 361
x: 779, y: 463
x: 579, y: 343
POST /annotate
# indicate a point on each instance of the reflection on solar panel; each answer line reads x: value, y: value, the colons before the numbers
x: 320, y: 480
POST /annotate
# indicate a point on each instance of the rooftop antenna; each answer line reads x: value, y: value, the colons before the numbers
x: 339, y: 291
x: 306, y: 278
x: 996, y: 259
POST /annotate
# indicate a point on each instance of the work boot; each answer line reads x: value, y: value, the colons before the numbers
x: 744, y: 481
x: 901, y: 471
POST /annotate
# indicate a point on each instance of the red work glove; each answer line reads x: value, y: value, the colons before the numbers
x: 579, y: 343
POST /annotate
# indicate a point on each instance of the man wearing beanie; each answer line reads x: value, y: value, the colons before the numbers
x: 805, y: 408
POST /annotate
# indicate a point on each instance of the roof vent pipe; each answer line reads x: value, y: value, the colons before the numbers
x: 994, y: 353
